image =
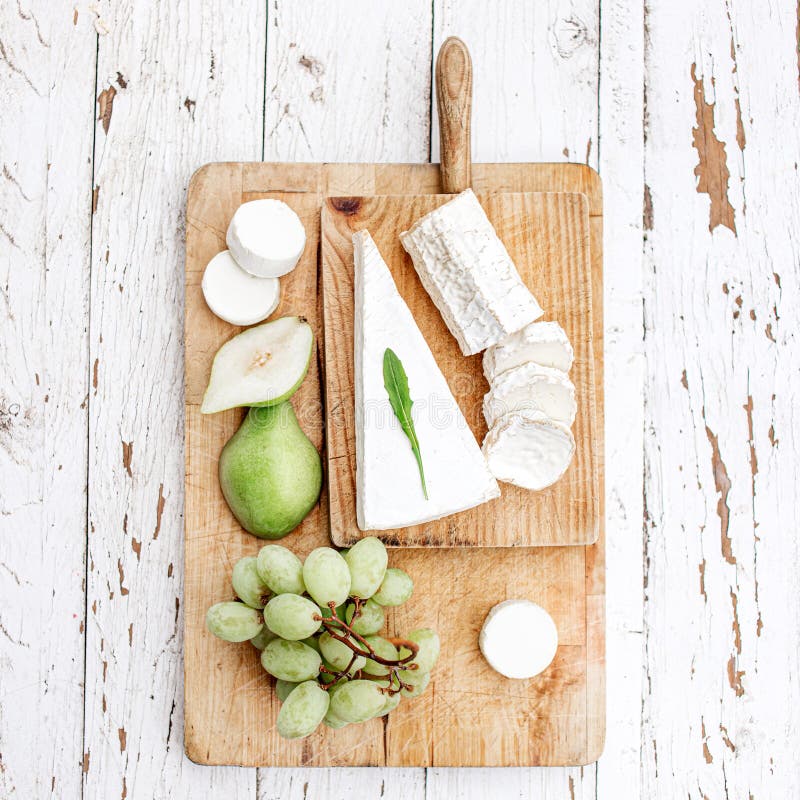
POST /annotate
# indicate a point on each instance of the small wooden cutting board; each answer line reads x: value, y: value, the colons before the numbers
x: 547, y: 236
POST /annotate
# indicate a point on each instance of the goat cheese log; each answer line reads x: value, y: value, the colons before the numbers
x: 467, y: 271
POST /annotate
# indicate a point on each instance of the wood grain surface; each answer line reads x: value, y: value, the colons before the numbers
x: 547, y: 236
x: 556, y: 718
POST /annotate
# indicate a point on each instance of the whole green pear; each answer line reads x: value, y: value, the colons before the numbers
x: 270, y: 472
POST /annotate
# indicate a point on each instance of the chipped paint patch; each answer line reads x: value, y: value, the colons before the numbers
x: 127, y: 457
x: 735, y: 677
x: 647, y: 210
x: 105, y: 105
x: 712, y: 167
x: 723, y: 485
x: 159, y: 510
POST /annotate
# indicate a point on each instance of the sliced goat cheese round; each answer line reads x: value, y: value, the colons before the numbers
x: 528, y: 449
x: 266, y: 238
x: 542, y: 342
x: 519, y: 639
x: 236, y: 296
x: 531, y: 387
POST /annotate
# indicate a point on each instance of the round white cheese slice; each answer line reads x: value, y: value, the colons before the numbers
x: 236, y: 296
x: 542, y: 342
x: 266, y: 238
x: 531, y: 387
x: 528, y: 449
x: 519, y: 639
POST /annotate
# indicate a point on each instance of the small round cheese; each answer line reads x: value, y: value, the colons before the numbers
x: 266, y: 238
x: 236, y: 296
x: 519, y: 639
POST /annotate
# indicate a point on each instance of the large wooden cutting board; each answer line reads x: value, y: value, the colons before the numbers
x: 469, y: 716
x: 547, y: 237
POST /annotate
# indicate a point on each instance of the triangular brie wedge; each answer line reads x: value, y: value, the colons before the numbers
x: 388, y: 486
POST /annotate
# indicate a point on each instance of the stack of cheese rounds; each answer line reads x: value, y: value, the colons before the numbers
x: 530, y: 406
x: 265, y: 241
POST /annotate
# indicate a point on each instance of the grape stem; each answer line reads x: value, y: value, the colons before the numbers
x: 333, y: 625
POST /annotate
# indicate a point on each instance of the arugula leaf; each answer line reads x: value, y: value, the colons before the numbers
x: 396, y: 382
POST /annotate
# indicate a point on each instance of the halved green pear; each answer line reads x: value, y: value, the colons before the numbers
x: 262, y: 366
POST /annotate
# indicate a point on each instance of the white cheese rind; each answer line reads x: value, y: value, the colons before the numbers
x: 519, y: 639
x: 388, y: 487
x: 531, y: 387
x: 266, y: 238
x: 235, y: 295
x: 467, y: 271
x: 542, y: 342
x: 528, y: 449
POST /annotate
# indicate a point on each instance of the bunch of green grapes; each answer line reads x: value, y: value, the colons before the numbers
x: 317, y: 626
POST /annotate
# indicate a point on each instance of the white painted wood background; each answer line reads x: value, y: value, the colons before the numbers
x: 691, y: 112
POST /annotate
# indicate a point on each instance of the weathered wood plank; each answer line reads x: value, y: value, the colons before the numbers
x: 721, y: 711
x: 621, y: 156
x: 47, y: 73
x: 341, y: 783
x: 178, y: 85
x: 351, y: 86
x: 536, y: 77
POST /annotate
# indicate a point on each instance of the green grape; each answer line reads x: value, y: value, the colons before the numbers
x: 395, y: 589
x: 390, y: 704
x: 261, y: 640
x: 281, y: 569
x: 290, y: 661
x: 303, y: 710
x: 367, y: 560
x: 339, y: 654
x: 369, y: 621
x: 247, y: 583
x: 332, y: 721
x: 234, y: 622
x: 284, y: 688
x: 418, y: 682
x: 428, y: 641
x: 312, y: 642
x: 383, y: 648
x: 357, y: 701
x: 326, y: 576
x: 292, y: 617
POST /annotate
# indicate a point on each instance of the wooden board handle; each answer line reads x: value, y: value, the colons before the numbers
x: 454, y: 102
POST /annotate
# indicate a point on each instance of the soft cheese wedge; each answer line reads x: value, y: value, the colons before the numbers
x: 528, y: 449
x: 467, y: 271
x: 389, y: 491
x: 542, y: 342
x: 531, y: 387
